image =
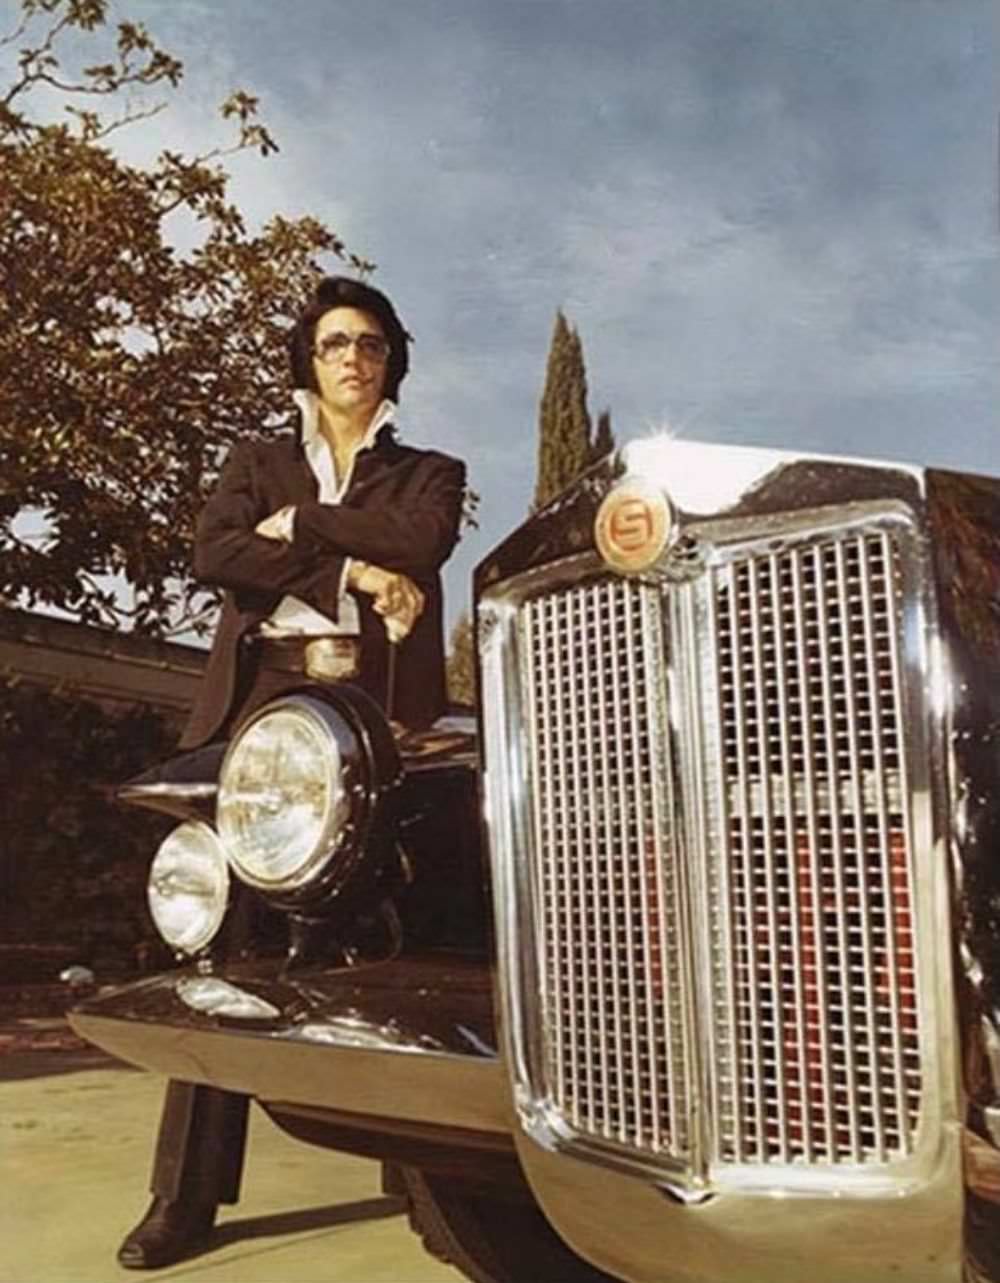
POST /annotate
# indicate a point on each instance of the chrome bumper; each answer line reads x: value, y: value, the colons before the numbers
x: 908, y: 1235
x: 407, y: 1044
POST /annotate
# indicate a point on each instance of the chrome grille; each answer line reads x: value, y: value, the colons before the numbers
x: 814, y: 985
x: 617, y: 1061
x: 722, y: 899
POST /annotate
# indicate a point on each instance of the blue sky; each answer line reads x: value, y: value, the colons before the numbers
x: 773, y: 222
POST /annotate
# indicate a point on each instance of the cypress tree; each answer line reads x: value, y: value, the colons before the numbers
x: 564, y: 447
x: 604, y: 438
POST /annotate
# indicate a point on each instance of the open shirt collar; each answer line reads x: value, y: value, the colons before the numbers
x: 308, y: 404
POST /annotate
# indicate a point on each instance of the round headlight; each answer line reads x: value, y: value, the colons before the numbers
x: 285, y: 793
x: 188, y: 887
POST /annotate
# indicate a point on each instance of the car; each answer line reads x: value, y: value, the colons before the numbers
x: 680, y: 963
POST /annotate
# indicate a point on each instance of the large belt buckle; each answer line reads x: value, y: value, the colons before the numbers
x: 332, y: 659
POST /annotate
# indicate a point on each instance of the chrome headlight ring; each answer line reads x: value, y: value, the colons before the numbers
x: 300, y: 788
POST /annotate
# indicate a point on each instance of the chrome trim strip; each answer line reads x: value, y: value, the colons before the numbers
x: 137, y: 792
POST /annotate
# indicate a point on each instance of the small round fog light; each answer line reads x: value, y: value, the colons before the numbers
x: 188, y: 887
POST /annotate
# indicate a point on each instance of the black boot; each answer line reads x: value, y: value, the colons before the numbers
x: 167, y: 1233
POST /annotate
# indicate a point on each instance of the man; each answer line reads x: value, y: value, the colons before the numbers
x: 329, y: 544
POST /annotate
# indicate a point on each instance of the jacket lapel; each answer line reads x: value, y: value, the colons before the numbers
x: 292, y: 479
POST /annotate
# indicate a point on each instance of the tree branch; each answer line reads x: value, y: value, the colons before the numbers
x: 37, y: 64
x: 92, y: 129
x: 29, y: 56
x: 17, y: 33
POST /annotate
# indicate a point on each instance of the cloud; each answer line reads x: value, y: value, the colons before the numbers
x: 773, y: 221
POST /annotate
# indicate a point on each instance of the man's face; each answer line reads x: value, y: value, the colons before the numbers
x: 351, y: 379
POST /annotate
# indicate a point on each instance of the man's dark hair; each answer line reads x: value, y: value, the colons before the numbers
x: 342, y: 291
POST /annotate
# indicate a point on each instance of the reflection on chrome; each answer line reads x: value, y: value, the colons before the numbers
x: 352, y: 1030
x: 215, y: 997
x: 168, y: 788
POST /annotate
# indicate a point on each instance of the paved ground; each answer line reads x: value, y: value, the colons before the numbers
x: 76, y: 1132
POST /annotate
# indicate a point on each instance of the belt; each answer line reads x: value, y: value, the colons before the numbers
x: 322, y: 659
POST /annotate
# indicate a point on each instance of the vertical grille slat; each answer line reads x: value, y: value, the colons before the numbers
x: 611, y: 715
x: 746, y: 975
x: 804, y: 1027
x: 726, y: 1102
x: 593, y: 735
x: 583, y: 947
x: 797, y: 1104
x: 834, y: 702
x: 814, y: 960
x: 863, y: 910
x: 619, y: 928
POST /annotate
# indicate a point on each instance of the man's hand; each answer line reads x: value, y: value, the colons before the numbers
x: 277, y: 526
x: 396, y: 597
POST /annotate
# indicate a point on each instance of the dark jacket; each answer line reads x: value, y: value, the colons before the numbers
x: 401, y: 511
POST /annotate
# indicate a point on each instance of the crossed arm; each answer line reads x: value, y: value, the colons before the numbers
x: 395, y: 596
x: 383, y: 549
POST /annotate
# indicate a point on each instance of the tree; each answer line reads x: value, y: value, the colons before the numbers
x: 461, y: 662
x: 565, y: 446
x: 563, y: 418
x: 127, y: 367
x: 604, y: 438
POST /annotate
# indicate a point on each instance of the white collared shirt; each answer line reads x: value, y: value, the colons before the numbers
x: 293, y: 617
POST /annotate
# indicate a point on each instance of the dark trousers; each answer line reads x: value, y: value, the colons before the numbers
x: 200, y: 1146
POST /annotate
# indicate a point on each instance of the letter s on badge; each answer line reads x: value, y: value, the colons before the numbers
x: 632, y: 525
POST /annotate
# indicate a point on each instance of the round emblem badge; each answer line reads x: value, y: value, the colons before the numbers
x: 632, y: 525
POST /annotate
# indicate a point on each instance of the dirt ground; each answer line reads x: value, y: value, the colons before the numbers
x: 76, y: 1135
